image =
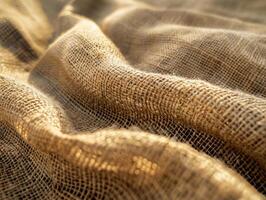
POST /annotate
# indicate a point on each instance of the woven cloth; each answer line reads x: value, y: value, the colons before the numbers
x: 127, y: 99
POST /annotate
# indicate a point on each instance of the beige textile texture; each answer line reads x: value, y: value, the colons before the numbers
x: 127, y: 99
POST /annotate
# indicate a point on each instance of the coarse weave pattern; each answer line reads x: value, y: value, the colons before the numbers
x: 131, y: 99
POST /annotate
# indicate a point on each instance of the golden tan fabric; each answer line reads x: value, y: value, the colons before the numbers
x: 127, y: 99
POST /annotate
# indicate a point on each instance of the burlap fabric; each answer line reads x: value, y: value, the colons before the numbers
x: 127, y: 99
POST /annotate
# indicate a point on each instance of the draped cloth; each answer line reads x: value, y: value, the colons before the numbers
x: 131, y: 99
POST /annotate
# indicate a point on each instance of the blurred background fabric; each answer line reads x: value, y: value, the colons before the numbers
x: 127, y: 99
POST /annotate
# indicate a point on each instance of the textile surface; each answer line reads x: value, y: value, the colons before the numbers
x: 127, y: 99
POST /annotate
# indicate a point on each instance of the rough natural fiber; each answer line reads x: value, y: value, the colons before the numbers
x: 127, y: 99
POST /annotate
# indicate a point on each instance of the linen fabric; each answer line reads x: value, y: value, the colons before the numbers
x: 127, y: 99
